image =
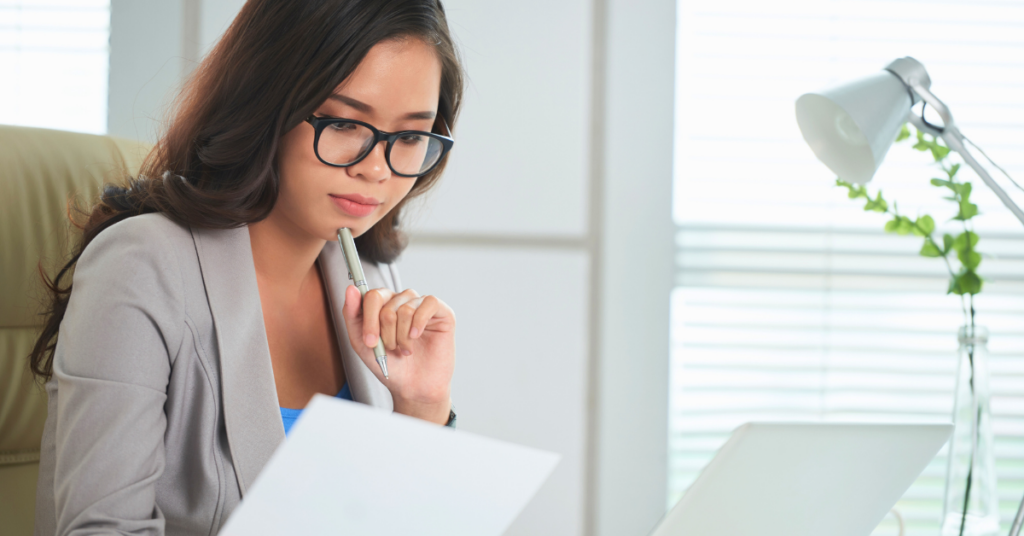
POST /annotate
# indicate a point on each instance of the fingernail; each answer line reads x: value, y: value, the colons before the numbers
x: 371, y: 340
x: 414, y: 332
x: 406, y: 353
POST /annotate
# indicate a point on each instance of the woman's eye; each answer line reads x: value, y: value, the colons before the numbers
x: 412, y: 139
x: 342, y: 126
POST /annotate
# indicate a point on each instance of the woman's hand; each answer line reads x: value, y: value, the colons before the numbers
x: 419, y: 336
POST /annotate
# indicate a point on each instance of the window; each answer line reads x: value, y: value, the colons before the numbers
x: 53, y: 62
x: 791, y: 302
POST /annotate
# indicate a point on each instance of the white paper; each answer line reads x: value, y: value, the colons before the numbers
x: 349, y: 469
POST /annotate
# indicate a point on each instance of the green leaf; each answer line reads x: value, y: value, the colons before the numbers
x: 877, y: 206
x: 929, y: 249
x: 880, y: 204
x: 965, y: 190
x: 855, y: 190
x: 892, y: 225
x: 947, y: 243
x: 970, y: 259
x: 904, y: 133
x: 925, y: 225
x: 960, y: 242
x: 940, y: 182
x: 968, y: 210
x: 922, y: 145
x: 954, y: 285
x: 970, y: 283
x: 939, y: 152
x: 965, y: 282
x: 905, y: 226
x: 952, y: 171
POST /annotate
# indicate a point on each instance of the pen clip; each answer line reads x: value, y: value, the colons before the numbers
x: 348, y: 262
x: 348, y: 265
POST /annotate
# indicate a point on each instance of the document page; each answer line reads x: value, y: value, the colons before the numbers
x: 350, y: 469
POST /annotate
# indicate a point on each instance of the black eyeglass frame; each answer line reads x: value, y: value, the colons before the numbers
x: 320, y: 123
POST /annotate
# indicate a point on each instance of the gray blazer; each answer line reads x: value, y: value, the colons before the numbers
x: 162, y: 406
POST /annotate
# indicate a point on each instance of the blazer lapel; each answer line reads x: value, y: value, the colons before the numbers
x: 365, y: 387
x: 252, y: 413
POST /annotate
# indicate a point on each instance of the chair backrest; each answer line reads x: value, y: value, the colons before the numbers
x: 40, y: 170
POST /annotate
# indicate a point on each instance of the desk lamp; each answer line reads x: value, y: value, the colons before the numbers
x: 850, y: 128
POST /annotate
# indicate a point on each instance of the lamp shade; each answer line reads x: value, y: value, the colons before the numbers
x: 850, y: 127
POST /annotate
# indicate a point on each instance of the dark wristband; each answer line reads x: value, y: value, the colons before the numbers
x: 451, y: 417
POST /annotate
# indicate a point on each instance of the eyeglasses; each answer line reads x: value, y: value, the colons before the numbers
x: 346, y: 142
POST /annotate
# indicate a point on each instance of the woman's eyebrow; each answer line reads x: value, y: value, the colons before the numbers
x: 366, y: 108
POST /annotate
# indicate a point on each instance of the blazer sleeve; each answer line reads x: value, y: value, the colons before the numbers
x: 123, y: 326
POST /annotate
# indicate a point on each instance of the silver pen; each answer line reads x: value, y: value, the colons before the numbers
x: 355, y: 273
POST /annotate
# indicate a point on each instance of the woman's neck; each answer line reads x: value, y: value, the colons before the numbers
x: 283, y: 254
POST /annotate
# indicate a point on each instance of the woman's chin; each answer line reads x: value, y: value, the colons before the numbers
x: 332, y: 233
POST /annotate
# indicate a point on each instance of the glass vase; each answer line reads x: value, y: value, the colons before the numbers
x: 971, y: 471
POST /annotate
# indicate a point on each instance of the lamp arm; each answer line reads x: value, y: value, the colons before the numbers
x: 955, y: 141
x: 931, y: 100
x: 919, y: 124
x: 1018, y: 521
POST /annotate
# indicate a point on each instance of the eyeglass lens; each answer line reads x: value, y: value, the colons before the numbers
x: 411, y: 154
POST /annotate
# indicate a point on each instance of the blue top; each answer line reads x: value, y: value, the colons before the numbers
x: 288, y: 415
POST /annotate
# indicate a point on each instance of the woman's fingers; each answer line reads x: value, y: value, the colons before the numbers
x: 405, y: 315
x: 397, y: 319
x: 373, y: 302
x: 429, y: 307
x: 388, y: 316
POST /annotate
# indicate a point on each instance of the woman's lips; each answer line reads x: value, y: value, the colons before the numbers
x: 355, y: 205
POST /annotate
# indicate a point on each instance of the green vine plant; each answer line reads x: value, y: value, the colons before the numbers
x: 964, y: 281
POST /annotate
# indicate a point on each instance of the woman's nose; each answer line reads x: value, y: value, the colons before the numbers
x: 374, y: 167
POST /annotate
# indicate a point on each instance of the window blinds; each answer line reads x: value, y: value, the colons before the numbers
x: 53, y: 64
x: 791, y: 303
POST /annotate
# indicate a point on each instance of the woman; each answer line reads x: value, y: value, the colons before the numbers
x: 210, y: 299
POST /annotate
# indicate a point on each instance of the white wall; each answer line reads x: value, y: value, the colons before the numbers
x: 635, y: 267
x: 146, y: 64
x: 154, y: 45
x: 550, y: 235
x: 524, y: 130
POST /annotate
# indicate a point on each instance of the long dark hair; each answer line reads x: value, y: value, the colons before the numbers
x: 215, y: 166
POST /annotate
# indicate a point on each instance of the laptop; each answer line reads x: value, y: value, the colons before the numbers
x: 808, y: 479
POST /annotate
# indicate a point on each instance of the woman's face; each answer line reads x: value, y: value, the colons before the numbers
x: 394, y: 88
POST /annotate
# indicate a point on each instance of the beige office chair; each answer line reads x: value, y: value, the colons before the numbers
x: 39, y: 171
